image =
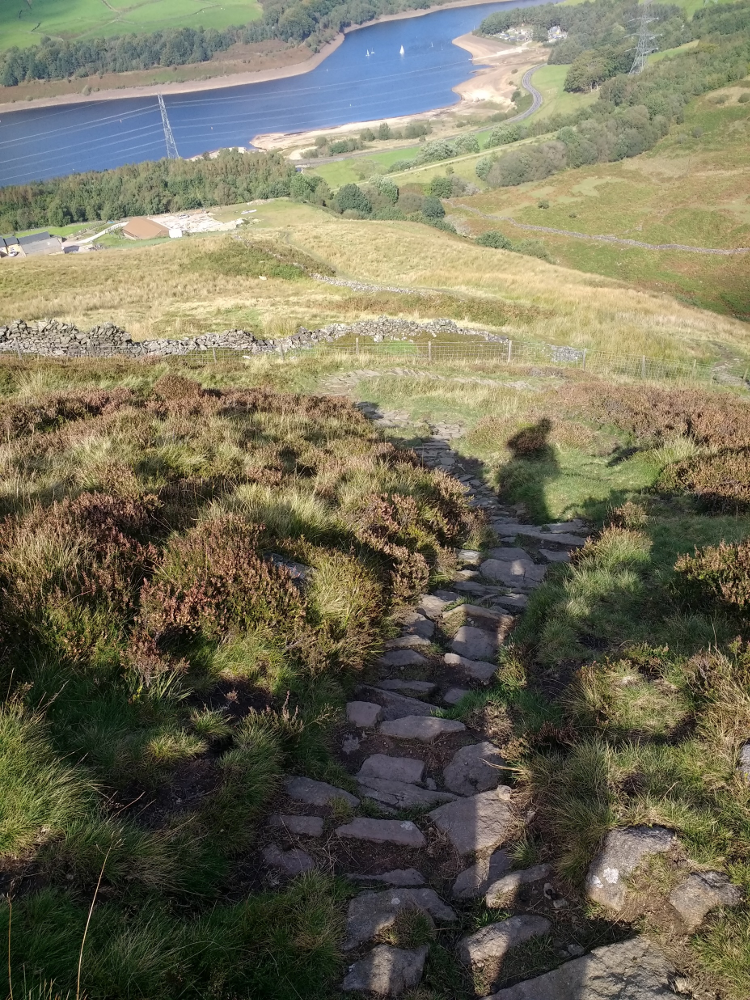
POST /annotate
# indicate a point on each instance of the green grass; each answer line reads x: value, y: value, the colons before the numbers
x: 549, y: 81
x: 24, y: 25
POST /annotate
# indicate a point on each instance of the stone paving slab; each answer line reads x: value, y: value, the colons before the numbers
x: 424, y: 728
x: 623, y: 851
x: 701, y: 892
x: 386, y: 971
x: 400, y: 877
x: 383, y: 831
x: 479, y: 670
x: 397, y: 706
x: 630, y: 970
x: 494, y: 941
x: 475, y: 643
x: 474, y: 881
x: 455, y: 694
x: 474, y: 768
x: 292, y: 862
x: 298, y: 826
x: 479, y: 823
x: 402, y: 658
x: 371, y: 913
x: 363, y: 714
x: 380, y: 765
x: 499, y: 891
x: 419, y: 688
x: 401, y: 794
x: 317, y: 793
x: 406, y: 642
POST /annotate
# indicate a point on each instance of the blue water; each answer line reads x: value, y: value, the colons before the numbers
x: 347, y: 86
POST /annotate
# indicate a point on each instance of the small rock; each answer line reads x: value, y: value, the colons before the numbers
x: 317, y: 793
x: 700, y: 893
x: 575, y: 950
x: 299, y: 826
x: 397, y: 706
x: 349, y: 744
x: 420, y: 727
x: 478, y: 823
x: 386, y: 971
x: 383, y: 831
x: 402, y: 658
x: 475, y: 881
x: 623, y: 851
x: 559, y: 904
x: 416, y: 624
x: 419, y: 688
x: 371, y: 913
x: 407, y: 642
x: 554, y: 557
x: 430, y: 783
x: 475, y: 643
x: 745, y: 761
x: 474, y: 769
x: 453, y: 695
x: 630, y: 970
x: 498, y: 892
x: 479, y: 670
x: 401, y: 794
x: 469, y: 557
x: 363, y: 714
x: 495, y: 940
x: 292, y: 862
x: 431, y: 607
x: 402, y: 877
x: 394, y: 768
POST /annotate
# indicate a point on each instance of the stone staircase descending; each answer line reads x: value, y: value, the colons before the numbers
x: 448, y: 777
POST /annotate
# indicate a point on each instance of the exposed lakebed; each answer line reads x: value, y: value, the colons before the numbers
x: 348, y: 86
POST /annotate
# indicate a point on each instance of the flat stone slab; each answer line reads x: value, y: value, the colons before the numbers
x: 371, y: 913
x: 415, y: 624
x: 317, y: 793
x: 552, y: 556
x: 402, y: 877
x: 472, y: 770
x: 494, y: 941
x: 453, y: 695
x: 474, y: 882
x: 402, y: 658
x: 407, y: 642
x: 478, y: 823
x: 562, y: 527
x: 298, y: 826
x: 380, y: 765
x: 477, y: 589
x: 513, y: 602
x: 401, y: 794
x: 700, y: 893
x: 515, y: 573
x: 630, y: 970
x: 509, y: 553
x: 383, y: 831
x: 475, y: 643
x: 419, y: 688
x: 623, y: 851
x: 479, y: 670
x: 561, y: 538
x: 498, y: 891
x: 292, y: 862
x: 397, y: 706
x: 363, y: 714
x: 469, y: 557
x: 386, y: 971
x: 431, y: 607
x: 420, y: 727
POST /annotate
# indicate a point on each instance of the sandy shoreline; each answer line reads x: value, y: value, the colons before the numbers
x: 489, y: 83
x: 235, y: 79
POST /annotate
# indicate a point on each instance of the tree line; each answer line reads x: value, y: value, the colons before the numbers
x: 146, y: 189
x: 632, y: 112
x: 311, y: 21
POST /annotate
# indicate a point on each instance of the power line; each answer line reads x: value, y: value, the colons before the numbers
x: 646, y: 41
x: 168, y: 137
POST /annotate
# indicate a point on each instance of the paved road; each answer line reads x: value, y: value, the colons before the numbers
x: 536, y: 97
x: 604, y: 238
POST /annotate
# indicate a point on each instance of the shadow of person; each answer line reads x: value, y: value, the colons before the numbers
x: 533, y: 465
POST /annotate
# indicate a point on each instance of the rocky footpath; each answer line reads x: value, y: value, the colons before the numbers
x: 426, y: 832
x: 54, y: 338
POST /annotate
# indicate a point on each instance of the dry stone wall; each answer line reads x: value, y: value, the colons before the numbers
x: 54, y: 338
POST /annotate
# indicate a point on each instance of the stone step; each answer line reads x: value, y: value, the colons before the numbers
x: 292, y: 862
x: 401, y: 877
x: 493, y: 941
x: 402, y: 658
x: 419, y: 688
x: 372, y: 913
x: 298, y: 826
x: 474, y: 768
x: 317, y: 793
x: 425, y: 729
x: 406, y: 642
x: 386, y: 971
x: 454, y: 695
x: 473, y: 882
x: 475, y: 643
x: 363, y: 714
x: 504, y: 888
x: 479, y: 670
x: 476, y: 824
x: 554, y: 557
x: 401, y: 794
x: 380, y: 765
x: 397, y: 706
x: 383, y: 831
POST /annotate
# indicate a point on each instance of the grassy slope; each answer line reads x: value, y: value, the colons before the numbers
x: 178, y: 287
x: 24, y: 26
x: 689, y: 189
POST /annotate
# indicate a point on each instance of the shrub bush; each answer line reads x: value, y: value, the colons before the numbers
x: 494, y: 239
x: 432, y: 208
x: 351, y: 197
x: 721, y: 572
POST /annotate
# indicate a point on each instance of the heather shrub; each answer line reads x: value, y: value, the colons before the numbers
x: 720, y: 573
x: 213, y: 580
x: 721, y: 481
x: 531, y: 441
x: 19, y: 419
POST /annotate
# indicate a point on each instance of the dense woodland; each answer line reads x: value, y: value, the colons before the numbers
x: 145, y: 189
x: 632, y: 112
x: 314, y: 21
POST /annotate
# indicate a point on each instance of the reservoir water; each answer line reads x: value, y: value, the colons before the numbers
x: 412, y: 67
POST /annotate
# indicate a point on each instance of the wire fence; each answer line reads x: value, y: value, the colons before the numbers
x: 503, y: 354
x: 495, y: 355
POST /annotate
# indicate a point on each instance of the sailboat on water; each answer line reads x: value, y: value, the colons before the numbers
x: 368, y: 53
x: 401, y: 51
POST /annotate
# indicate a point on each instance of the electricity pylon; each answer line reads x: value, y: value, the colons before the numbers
x: 172, y: 153
x: 646, y: 41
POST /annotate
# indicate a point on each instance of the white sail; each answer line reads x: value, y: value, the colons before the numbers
x: 402, y: 50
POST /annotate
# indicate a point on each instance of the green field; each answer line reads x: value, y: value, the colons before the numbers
x: 25, y: 22
x: 549, y: 81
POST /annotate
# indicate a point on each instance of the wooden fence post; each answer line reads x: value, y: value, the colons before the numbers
x: 643, y: 366
x: 356, y: 346
x: 584, y: 359
x: 429, y: 351
x: 510, y: 348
